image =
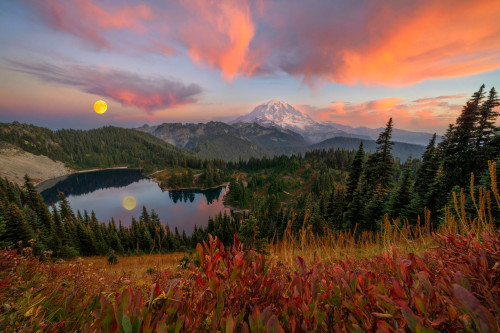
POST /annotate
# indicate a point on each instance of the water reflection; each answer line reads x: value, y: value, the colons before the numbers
x: 88, y: 182
x: 104, y: 192
x: 188, y: 195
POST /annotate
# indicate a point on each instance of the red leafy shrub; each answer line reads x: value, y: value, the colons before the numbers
x: 454, y: 287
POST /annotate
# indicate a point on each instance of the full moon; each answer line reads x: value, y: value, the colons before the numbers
x: 100, y: 106
x: 128, y: 203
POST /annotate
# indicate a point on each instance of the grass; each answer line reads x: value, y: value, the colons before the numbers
x: 393, y: 234
x: 134, y: 267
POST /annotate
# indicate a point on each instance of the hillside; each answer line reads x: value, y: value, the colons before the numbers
x: 220, y: 140
x: 97, y: 148
x: 15, y: 163
x: 400, y: 149
x: 228, y: 148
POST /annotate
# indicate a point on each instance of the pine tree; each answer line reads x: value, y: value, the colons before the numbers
x: 355, y: 213
x: 402, y: 197
x: 459, y: 153
x: 64, y: 208
x: 379, y: 167
x: 249, y: 235
x: 17, y: 228
x: 31, y: 193
x: 316, y: 222
x: 355, y: 173
x: 487, y: 116
x: 428, y: 169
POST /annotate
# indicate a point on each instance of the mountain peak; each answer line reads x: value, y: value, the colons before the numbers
x: 277, y: 113
x: 275, y: 101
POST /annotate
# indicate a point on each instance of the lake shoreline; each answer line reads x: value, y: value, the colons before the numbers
x: 150, y: 176
x: 192, y: 188
x: 74, y: 172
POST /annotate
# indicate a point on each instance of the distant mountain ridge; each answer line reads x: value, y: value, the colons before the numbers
x: 280, y: 114
x: 401, y: 150
x: 245, y: 140
x: 220, y: 140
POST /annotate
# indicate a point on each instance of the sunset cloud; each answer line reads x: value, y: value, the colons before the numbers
x: 374, y: 42
x: 428, y: 113
x: 218, y: 33
x: 89, y: 21
x: 148, y: 94
x: 370, y: 42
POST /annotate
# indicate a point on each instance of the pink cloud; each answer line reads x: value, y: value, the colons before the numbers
x: 372, y: 42
x: 417, y: 115
x: 87, y: 20
x: 218, y: 34
x: 149, y: 94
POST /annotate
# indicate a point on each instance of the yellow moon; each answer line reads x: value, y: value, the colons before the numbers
x: 128, y: 203
x: 100, y: 106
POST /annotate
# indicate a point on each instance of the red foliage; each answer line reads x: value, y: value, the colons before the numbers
x: 453, y: 287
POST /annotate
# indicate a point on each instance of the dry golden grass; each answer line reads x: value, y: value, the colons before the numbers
x: 393, y: 235
x: 136, y: 267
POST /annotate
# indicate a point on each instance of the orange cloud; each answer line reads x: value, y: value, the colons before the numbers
x: 219, y: 34
x: 437, y: 39
x: 146, y: 93
x: 430, y: 115
x: 372, y: 42
x: 88, y: 21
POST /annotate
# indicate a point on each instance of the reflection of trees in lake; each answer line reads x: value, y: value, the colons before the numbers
x: 189, y: 195
x: 88, y: 182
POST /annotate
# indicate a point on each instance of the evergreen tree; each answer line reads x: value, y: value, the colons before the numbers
x: 459, y: 154
x: 402, y: 197
x: 428, y: 169
x: 488, y: 114
x: 64, y: 208
x: 17, y: 229
x: 249, y: 235
x: 316, y: 222
x: 355, y: 173
x: 379, y: 167
x: 31, y: 193
x: 355, y: 213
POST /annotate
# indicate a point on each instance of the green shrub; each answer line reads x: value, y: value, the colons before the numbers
x: 112, y: 259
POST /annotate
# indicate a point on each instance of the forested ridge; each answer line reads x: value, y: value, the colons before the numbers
x: 98, y: 148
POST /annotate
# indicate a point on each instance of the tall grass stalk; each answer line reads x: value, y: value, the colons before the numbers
x: 394, y: 234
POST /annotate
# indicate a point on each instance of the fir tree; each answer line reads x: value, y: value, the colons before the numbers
x: 402, y: 197
x: 428, y: 169
x: 249, y: 235
x: 379, y: 167
x: 17, y: 228
x: 355, y: 173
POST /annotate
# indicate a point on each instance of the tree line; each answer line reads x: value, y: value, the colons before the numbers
x: 358, y: 189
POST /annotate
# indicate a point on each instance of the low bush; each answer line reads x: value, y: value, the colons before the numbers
x: 453, y: 287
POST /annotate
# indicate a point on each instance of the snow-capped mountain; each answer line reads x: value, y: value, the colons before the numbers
x: 277, y: 113
x: 280, y: 114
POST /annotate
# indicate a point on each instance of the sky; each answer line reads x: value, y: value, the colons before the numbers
x: 349, y: 62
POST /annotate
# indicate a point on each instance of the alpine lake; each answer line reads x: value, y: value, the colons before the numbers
x: 104, y: 191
